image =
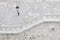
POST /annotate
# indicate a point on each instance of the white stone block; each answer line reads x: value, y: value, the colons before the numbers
x: 38, y: 1
x: 52, y: 0
x: 29, y: 1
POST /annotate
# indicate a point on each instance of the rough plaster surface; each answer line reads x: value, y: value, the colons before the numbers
x: 31, y: 12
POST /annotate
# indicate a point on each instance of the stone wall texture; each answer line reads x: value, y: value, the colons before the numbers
x: 31, y: 12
